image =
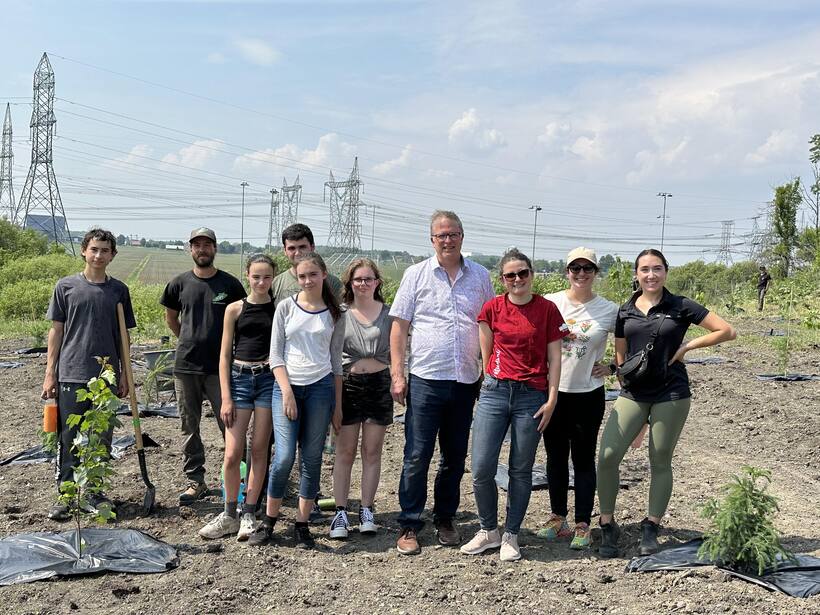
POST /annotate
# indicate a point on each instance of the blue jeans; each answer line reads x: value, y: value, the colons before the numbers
x: 249, y: 391
x: 440, y: 409
x: 505, y: 404
x: 315, y: 405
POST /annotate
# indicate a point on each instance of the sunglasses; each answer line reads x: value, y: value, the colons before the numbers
x: 584, y: 268
x: 521, y: 275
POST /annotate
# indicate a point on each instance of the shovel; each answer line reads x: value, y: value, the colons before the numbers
x: 125, y: 361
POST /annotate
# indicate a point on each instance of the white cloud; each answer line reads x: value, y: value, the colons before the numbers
x: 257, y: 51
x: 329, y: 151
x: 215, y: 58
x: 388, y: 166
x: 195, y: 155
x: 136, y: 155
x: 438, y: 174
x: 778, y: 143
x: 469, y: 133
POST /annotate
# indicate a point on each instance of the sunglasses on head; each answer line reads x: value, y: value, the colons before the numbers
x: 521, y: 275
x: 584, y: 268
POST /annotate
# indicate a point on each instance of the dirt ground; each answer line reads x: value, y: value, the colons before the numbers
x: 734, y: 420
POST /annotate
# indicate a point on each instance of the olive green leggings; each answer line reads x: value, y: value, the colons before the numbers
x: 666, y: 421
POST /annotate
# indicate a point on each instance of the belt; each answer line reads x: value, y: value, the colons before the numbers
x: 251, y: 369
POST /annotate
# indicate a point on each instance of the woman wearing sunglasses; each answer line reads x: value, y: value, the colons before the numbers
x: 649, y: 331
x: 520, y: 337
x: 573, y: 430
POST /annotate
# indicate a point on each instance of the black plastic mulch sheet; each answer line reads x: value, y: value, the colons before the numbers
x: 168, y: 411
x: 35, y: 350
x: 33, y: 557
x: 714, y: 360
x: 36, y: 454
x: 787, y: 377
x: 800, y: 579
x: 10, y: 364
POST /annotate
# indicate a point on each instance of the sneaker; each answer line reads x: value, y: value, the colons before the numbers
x: 408, y: 543
x: 194, y: 492
x: 610, y: 532
x: 649, y: 538
x: 509, y: 548
x: 59, y: 512
x: 556, y: 528
x: 340, y: 525
x: 219, y: 526
x: 261, y: 535
x: 483, y: 540
x: 247, y: 526
x: 367, y: 524
x: 581, y: 540
x: 304, y: 539
x: 448, y: 535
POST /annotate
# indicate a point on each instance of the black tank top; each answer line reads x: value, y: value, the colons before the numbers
x: 251, y: 340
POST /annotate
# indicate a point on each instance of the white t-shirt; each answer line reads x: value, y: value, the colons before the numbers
x: 589, y: 324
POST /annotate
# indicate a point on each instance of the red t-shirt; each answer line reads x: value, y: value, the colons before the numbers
x: 520, y: 337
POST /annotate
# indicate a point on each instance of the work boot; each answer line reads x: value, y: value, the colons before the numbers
x: 649, y: 537
x: 59, y: 512
x: 610, y: 532
x: 195, y: 491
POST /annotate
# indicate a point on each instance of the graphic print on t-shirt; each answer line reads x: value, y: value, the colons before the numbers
x: 575, y: 342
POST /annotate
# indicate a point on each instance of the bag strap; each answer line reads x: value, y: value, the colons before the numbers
x: 651, y: 343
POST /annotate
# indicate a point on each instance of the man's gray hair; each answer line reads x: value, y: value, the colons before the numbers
x: 449, y: 215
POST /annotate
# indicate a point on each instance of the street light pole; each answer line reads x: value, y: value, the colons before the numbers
x: 536, y: 208
x: 373, y: 235
x: 242, y: 231
x: 663, y: 218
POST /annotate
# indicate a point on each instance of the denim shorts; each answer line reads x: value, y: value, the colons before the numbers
x: 366, y: 398
x: 249, y: 391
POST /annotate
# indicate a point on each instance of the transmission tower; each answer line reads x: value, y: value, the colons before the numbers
x: 755, y: 240
x: 291, y: 197
x: 724, y: 256
x: 8, y: 205
x: 40, y: 206
x: 273, y: 221
x: 344, y: 212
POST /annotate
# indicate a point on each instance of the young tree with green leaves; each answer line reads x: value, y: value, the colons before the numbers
x: 787, y: 199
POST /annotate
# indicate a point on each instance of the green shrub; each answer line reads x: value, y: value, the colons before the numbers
x: 743, y: 535
x: 25, y: 299
x: 17, y: 243
x: 149, y: 313
x: 47, y: 267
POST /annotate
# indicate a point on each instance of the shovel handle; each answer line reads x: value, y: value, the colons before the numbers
x: 125, y: 362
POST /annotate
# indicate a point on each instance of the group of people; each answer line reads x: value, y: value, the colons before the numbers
x: 305, y: 353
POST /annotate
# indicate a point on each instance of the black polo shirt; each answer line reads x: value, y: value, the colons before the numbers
x: 664, y: 382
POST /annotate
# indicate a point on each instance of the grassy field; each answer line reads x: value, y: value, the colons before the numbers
x: 156, y: 266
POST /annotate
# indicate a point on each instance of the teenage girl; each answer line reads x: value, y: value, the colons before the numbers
x: 366, y: 399
x: 306, y: 359
x: 247, y: 385
x: 657, y: 318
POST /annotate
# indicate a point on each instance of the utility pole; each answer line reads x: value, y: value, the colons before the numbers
x: 536, y: 208
x: 273, y: 220
x: 665, y: 195
x: 373, y: 234
x: 242, y: 231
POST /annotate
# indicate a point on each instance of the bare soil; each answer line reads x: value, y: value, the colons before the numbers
x: 735, y: 420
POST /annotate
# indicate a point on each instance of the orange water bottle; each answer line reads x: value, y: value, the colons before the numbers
x: 50, y: 416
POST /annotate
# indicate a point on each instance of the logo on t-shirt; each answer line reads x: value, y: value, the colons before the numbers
x: 219, y: 297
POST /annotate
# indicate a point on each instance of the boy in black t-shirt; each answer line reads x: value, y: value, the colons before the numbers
x: 83, y: 314
x: 195, y: 303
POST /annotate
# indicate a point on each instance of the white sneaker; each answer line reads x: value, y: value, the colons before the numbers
x: 247, y: 525
x: 367, y: 524
x: 483, y: 540
x: 509, y: 548
x: 340, y: 526
x: 219, y: 526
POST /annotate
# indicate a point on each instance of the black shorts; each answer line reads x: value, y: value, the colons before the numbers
x: 366, y: 398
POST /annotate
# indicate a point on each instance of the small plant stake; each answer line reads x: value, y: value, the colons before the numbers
x: 743, y: 535
x: 93, y: 471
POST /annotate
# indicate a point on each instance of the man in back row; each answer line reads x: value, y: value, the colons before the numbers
x: 297, y: 239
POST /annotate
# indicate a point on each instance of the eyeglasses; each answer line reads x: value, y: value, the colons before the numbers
x: 521, y: 275
x: 363, y: 281
x: 585, y: 268
x: 446, y: 236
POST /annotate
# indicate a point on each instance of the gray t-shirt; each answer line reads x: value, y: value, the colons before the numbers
x: 285, y: 285
x: 88, y: 312
x: 367, y: 341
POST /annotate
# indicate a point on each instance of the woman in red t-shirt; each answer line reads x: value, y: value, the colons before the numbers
x: 520, y: 335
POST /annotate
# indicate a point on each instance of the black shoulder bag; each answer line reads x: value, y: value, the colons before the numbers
x: 636, y: 366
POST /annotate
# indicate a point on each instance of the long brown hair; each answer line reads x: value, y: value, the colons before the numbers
x: 328, y: 297
x: 347, y: 280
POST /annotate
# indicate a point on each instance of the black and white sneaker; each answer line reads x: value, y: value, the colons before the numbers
x: 367, y: 524
x: 340, y: 526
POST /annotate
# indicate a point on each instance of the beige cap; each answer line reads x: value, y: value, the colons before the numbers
x: 584, y: 253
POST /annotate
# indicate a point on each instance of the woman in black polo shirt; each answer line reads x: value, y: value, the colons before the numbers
x: 661, y: 397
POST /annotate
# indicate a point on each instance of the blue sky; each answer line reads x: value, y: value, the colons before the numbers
x: 586, y: 108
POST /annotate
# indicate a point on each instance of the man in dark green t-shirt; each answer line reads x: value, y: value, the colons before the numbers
x: 195, y: 303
